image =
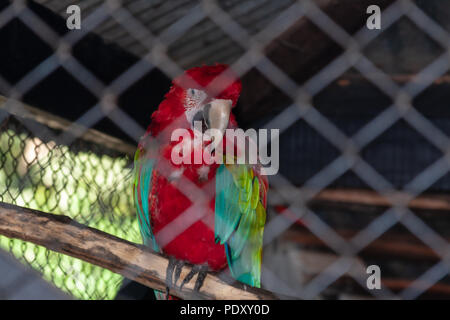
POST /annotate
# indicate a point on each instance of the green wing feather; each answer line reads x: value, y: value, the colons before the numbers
x: 143, y: 171
x: 240, y: 216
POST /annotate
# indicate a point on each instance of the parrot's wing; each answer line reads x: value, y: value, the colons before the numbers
x: 143, y: 172
x: 240, y: 216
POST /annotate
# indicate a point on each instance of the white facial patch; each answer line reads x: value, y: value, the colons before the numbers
x: 193, y: 102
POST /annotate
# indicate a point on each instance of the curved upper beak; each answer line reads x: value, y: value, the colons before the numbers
x: 217, y: 114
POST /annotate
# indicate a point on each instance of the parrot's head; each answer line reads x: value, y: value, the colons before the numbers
x: 205, y: 94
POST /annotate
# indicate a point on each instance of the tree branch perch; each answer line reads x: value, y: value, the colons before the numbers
x: 62, y: 234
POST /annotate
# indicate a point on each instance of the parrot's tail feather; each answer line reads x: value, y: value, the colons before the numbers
x: 159, y: 295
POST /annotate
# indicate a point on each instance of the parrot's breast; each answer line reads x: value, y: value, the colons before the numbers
x: 183, y: 228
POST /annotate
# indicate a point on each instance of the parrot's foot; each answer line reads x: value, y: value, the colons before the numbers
x: 201, y: 270
x: 173, y: 272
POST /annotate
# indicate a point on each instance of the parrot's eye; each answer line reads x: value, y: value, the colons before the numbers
x: 196, y: 95
x: 193, y: 93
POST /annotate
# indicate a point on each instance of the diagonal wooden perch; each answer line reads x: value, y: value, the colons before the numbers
x: 62, y: 234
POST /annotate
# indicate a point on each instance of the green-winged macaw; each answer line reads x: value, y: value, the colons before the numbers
x: 230, y: 231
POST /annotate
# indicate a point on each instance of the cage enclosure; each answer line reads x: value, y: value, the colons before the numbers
x: 363, y: 126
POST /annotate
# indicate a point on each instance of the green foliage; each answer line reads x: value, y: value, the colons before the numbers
x: 94, y: 189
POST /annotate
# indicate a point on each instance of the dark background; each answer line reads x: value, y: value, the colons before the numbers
x: 399, y: 154
x: 401, y: 51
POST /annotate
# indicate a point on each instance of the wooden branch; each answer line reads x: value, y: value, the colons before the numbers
x: 59, y: 123
x: 312, y: 263
x: 436, y: 291
x: 402, y: 78
x: 368, y: 197
x: 401, y: 246
x: 62, y: 234
x: 392, y: 244
x: 401, y: 284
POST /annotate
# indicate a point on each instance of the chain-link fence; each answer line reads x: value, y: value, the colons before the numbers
x: 77, y: 181
x: 354, y: 189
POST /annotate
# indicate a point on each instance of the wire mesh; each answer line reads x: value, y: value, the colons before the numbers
x: 58, y: 171
x: 73, y: 180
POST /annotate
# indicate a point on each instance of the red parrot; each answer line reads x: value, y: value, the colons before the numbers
x: 230, y: 230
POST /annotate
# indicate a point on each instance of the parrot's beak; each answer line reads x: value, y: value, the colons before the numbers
x: 217, y: 114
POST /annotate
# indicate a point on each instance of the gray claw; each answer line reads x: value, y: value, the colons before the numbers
x: 178, y: 267
x: 169, y: 273
x: 196, y: 269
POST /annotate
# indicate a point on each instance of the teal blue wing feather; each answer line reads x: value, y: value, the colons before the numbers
x: 142, y: 186
x: 240, y: 216
x: 143, y: 173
